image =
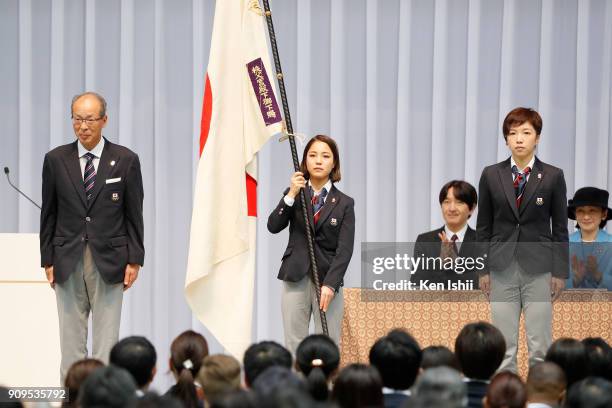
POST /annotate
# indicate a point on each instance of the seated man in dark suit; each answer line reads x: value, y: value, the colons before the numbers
x: 397, y: 357
x: 450, y: 242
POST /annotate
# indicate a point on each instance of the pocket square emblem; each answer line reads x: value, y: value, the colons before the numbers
x: 115, y: 197
x: 539, y: 201
x: 334, y: 222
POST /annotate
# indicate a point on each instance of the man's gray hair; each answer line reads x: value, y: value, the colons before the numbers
x: 442, y: 384
x: 99, y: 97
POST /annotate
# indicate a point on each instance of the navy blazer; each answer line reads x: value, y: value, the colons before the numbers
x: 538, y: 229
x: 334, y: 237
x: 111, y: 222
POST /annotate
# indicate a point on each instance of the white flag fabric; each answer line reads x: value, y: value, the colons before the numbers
x: 239, y: 114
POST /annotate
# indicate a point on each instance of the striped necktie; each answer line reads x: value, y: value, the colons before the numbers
x: 454, y: 239
x: 89, y: 176
x: 317, y: 203
x: 520, y: 181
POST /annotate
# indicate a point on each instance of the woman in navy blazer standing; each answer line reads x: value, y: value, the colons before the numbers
x: 332, y: 219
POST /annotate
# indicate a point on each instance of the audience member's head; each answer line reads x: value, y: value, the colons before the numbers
x: 592, y: 392
x: 317, y: 357
x: 262, y: 355
x: 599, y: 357
x: 480, y: 349
x: 219, y: 375
x: 417, y: 401
x: 397, y: 357
x: 273, y: 379
x: 288, y: 396
x: 154, y: 400
x: 187, y: 352
x: 4, y: 393
x: 571, y: 356
x: 109, y: 387
x: 439, y: 356
x: 441, y: 386
x: 506, y: 390
x: 236, y: 399
x: 358, y: 385
x: 76, y: 375
x: 137, y: 355
x: 546, y: 384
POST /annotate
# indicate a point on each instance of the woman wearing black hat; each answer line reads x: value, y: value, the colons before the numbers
x: 590, y: 250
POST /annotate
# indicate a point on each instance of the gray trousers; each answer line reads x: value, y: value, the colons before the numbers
x: 298, y: 302
x: 514, y: 290
x: 82, y: 293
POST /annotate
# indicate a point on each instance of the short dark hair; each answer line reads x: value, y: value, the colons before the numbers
x: 335, y: 175
x: 276, y: 378
x: 137, y: 355
x: 237, y: 399
x: 480, y: 348
x: 439, y: 356
x: 462, y: 190
x: 76, y: 376
x: 317, y: 357
x: 397, y: 357
x: 109, y: 386
x: 262, y: 355
x: 571, y: 356
x: 506, y: 390
x: 441, y: 385
x: 99, y: 97
x: 546, y: 378
x: 518, y: 116
x: 599, y: 357
x: 358, y: 385
x: 592, y: 392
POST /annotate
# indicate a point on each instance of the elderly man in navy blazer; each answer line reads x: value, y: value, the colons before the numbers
x: 91, y: 231
x: 522, y: 222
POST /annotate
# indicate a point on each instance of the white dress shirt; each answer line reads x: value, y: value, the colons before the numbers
x: 96, y: 151
x: 460, y: 234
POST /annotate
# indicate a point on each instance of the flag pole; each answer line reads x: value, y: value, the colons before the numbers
x: 296, y: 163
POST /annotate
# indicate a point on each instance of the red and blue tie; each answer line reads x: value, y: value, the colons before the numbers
x: 317, y: 203
x: 520, y: 181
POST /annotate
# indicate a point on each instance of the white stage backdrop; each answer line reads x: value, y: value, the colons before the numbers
x: 413, y: 90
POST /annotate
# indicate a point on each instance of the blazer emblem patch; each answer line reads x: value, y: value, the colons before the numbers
x: 115, y: 197
x: 334, y: 222
x: 539, y: 201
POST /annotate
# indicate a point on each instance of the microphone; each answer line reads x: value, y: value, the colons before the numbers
x: 6, y: 171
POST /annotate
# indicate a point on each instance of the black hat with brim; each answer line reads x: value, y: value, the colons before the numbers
x: 592, y: 196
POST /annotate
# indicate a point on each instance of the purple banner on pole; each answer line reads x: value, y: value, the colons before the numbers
x: 264, y: 92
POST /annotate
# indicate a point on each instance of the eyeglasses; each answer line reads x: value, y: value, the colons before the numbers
x: 88, y: 122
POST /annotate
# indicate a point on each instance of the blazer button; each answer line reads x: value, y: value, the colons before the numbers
x: 88, y: 219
